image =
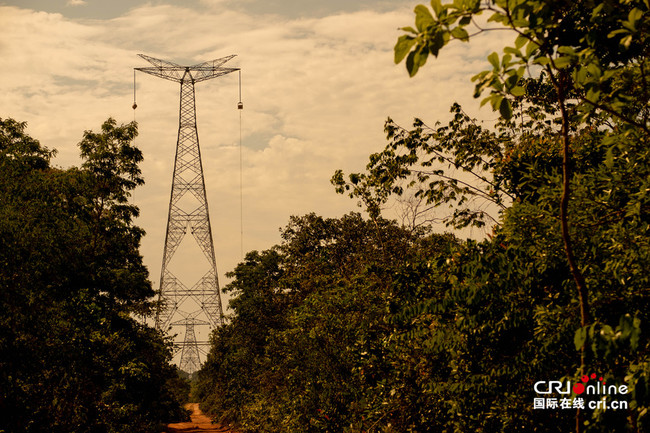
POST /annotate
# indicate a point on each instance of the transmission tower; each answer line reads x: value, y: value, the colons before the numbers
x: 180, y: 304
x: 190, y: 351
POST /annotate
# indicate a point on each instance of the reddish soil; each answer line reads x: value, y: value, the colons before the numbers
x: 199, y: 423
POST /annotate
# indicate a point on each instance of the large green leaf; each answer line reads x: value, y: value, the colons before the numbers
x: 423, y: 18
x: 403, y: 46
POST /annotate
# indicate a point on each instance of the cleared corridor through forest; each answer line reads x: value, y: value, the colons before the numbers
x: 199, y: 423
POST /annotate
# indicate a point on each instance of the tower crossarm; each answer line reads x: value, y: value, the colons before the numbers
x: 207, y: 73
x: 158, y: 63
x: 163, y: 69
x: 175, y: 72
x: 211, y: 69
x: 216, y: 63
x: 190, y: 321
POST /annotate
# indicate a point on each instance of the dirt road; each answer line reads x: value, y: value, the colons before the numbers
x: 199, y: 423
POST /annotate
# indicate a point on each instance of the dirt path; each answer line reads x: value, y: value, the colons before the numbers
x: 199, y: 423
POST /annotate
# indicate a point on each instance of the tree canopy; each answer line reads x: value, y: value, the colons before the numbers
x: 72, y: 357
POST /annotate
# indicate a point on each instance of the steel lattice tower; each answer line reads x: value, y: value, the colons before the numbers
x: 190, y: 351
x: 179, y: 304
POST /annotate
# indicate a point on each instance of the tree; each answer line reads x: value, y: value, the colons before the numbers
x: 594, y: 54
x: 414, y: 163
x: 305, y: 349
x: 235, y: 368
x: 581, y: 66
x: 71, y: 356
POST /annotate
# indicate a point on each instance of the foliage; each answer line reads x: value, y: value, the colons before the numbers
x: 72, y: 358
x: 594, y: 57
x: 306, y: 343
x: 450, y: 166
x: 382, y: 328
x: 594, y: 54
x: 593, y: 51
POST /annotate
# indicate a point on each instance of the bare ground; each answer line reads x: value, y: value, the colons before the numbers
x: 199, y: 423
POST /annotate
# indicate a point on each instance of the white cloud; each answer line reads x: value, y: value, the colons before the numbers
x: 316, y: 94
x: 76, y: 3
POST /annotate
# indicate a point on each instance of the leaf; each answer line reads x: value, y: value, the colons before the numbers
x: 412, y: 65
x: 514, y: 51
x: 593, y: 95
x: 505, y: 109
x: 484, y: 80
x: 626, y: 41
x: 436, y: 5
x: 580, y: 75
x: 495, y: 100
x: 566, y: 50
x: 562, y: 62
x: 460, y: 33
x: 497, y: 17
x: 494, y: 60
x: 634, y: 16
x: 505, y: 60
x: 542, y: 61
x: 423, y: 18
x: 437, y: 41
x: 609, y: 157
x: 531, y: 48
x: 520, y: 41
x: 517, y: 91
x: 580, y: 338
x: 421, y: 56
x: 403, y: 46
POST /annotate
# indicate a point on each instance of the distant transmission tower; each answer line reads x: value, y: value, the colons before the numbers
x: 200, y: 304
x: 190, y: 350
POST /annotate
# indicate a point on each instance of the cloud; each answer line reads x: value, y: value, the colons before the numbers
x: 76, y: 3
x: 316, y: 93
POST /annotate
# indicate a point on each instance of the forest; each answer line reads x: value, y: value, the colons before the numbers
x: 364, y: 324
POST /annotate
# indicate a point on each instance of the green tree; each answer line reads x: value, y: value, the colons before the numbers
x: 306, y: 348
x: 234, y: 371
x: 594, y: 54
x: 578, y: 187
x: 72, y: 359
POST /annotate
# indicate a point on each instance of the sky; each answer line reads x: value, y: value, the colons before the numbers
x: 318, y: 82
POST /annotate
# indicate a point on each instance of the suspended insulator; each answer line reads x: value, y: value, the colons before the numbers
x: 135, y: 105
x: 240, y: 105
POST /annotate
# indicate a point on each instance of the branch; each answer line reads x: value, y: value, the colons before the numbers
x: 632, y: 122
x: 467, y: 170
x: 478, y: 192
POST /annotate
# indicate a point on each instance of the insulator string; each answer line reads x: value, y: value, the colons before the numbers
x: 240, y: 85
x: 134, y: 103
